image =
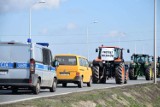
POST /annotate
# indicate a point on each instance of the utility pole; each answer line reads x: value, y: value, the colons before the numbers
x: 155, y: 51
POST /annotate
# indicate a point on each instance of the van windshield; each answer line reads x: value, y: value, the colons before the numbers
x: 66, y: 60
x: 14, y: 53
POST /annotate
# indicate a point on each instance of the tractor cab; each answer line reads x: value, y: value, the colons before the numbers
x: 138, y: 58
x: 109, y: 53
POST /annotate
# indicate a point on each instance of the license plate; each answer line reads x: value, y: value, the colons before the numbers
x: 65, y: 73
x: 3, y: 72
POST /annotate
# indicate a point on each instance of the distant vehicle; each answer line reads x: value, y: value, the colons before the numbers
x: 108, y: 64
x: 141, y: 66
x: 26, y: 66
x: 158, y: 67
x: 73, y: 69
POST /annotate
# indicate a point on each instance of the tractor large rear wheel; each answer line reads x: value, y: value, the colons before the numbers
x: 95, y: 74
x: 120, y: 73
x: 149, y: 73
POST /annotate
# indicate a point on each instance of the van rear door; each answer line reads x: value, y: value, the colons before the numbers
x: 14, y: 63
x: 67, y: 68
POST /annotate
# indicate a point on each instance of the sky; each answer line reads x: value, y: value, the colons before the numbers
x: 63, y: 24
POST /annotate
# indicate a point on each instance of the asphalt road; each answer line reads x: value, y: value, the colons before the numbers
x: 7, y: 97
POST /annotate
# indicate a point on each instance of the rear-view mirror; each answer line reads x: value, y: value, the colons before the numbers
x: 128, y: 51
x: 55, y: 63
x: 96, y: 49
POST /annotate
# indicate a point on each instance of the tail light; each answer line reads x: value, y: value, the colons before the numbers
x: 32, y: 69
x: 77, y: 74
x: 32, y: 65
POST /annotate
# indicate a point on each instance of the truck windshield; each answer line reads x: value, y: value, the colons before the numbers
x: 66, y: 60
x: 14, y: 53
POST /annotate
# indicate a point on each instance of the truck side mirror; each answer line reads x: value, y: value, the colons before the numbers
x: 96, y: 49
x: 128, y: 51
x: 131, y: 57
x: 55, y: 63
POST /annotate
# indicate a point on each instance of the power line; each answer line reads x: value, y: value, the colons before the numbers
x: 68, y: 35
x: 83, y: 43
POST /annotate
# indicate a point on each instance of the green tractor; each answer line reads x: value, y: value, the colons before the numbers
x: 140, y: 66
x: 158, y: 67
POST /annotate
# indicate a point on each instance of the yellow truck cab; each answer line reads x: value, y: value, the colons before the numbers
x: 73, y: 69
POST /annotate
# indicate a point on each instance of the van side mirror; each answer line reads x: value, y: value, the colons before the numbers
x: 55, y: 63
x: 128, y: 51
x: 131, y: 57
x: 96, y: 49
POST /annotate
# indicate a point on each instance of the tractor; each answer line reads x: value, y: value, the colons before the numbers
x: 158, y: 67
x: 109, y: 64
x: 140, y: 66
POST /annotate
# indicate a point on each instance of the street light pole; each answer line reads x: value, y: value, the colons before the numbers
x: 87, y: 42
x: 30, y: 18
x: 30, y: 22
x: 155, y: 51
x: 87, y: 45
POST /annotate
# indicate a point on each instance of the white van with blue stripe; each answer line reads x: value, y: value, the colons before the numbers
x: 27, y: 66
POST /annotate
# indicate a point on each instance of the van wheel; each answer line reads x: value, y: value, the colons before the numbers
x: 64, y: 84
x: 80, y: 83
x: 36, y: 89
x: 14, y: 91
x: 90, y: 82
x: 54, y: 86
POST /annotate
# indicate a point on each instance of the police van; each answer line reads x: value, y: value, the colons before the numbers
x: 27, y: 66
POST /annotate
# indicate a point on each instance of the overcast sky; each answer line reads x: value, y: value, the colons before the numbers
x: 63, y: 24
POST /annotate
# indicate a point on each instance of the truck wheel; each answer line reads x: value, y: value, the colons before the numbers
x: 36, y: 89
x: 148, y: 73
x: 54, y: 86
x: 64, y: 84
x: 95, y: 73
x: 80, y: 83
x: 120, y: 73
x: 90, y: 82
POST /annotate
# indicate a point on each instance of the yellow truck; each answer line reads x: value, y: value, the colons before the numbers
x: 73, y: 69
